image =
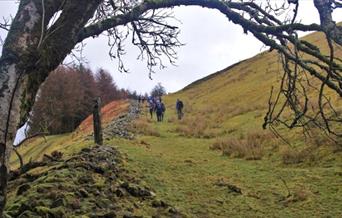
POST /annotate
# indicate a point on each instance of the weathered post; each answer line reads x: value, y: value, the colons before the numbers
x: 97, y: 122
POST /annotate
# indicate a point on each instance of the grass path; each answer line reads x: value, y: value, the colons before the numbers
x: 187, y: 174
x: 195, y: 179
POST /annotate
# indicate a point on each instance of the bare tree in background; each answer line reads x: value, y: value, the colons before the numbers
x: 107, y: 89
x: 65, y: 99
x: 35, y: 46
x: 158, y: 90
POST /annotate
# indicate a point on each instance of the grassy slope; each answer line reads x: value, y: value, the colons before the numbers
x: 78, y: 185
x: 184, y: 172
x: 69, y: 143
x: 175, y: 159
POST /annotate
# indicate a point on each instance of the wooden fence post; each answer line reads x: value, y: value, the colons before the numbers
x: 97, y: 122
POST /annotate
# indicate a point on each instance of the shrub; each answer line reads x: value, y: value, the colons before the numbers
x: 235, y: 148
x: 217, y: 145
x: 143, y: 127
x: 291, y: 156
x: 248, y: 146
x: 317, y: 138
x: 295, y: 156
x: 210, y: 133
x: 193, y: 127
x: 299, y: 194
x: 206, y: 111
x: 183, y: 131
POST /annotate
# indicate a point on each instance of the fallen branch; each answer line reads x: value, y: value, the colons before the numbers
x: 288, y: 190
x: 55, y: 156
x: 19, y: 157
x: 22, y: 142
x: 25, y: 168
x: 43, y: 134
x: 49, y: 157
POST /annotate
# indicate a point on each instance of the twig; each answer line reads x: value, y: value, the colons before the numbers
x: 287, y: 188
x: 43, y: 134
x: 20, y: 158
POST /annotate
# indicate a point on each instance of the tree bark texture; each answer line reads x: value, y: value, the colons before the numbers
x: 97, y: 122
x: 327, y: 23
x: 29, y: 53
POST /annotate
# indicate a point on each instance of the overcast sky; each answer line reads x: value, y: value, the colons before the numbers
x: 212, y: 43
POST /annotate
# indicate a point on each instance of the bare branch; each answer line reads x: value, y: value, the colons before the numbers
x: 154, y: 37
x: 5, y: 24
x: 4, y: 27
x: 43, y: 134
x: 19, y: 157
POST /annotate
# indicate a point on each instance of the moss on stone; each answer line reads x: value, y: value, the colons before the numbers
x: 77, y: 188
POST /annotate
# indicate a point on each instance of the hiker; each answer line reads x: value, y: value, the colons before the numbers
x: 163, y: 111
x: 179, y: 108
x: 151, y: 105
x: 159, y: 111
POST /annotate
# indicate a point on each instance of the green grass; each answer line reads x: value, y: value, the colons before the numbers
x: 68, y: 144
x: 230, y: 105
x: 174, y: 158
x: 183, y: 171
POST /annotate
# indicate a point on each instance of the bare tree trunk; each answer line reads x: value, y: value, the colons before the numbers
x: 12, y: 74
x: 324, y: 9
x: 327, y: 23
x: 9, y: 117
x: 97, y: 122
x: 29, y: 53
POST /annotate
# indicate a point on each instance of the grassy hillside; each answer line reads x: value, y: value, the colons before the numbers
x: 200, y: 162
x: 68, y: 143
x: 217, y: 161
x: 235, y: 100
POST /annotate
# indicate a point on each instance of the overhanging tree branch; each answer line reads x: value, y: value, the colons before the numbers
x: 224, y: 7
x: 265, y: 26
x: 23, y: 51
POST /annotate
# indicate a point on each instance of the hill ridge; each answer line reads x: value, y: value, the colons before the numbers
x: 206, y: 78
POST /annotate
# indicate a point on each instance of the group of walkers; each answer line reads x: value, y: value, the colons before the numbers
x: 141, y: 99
x: 156, y: 105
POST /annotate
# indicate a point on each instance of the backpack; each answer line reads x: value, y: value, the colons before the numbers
x: 159, y: 107
x: 179, y: 105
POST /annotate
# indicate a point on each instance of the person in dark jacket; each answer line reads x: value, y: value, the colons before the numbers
x: 152, y: 107
x: 179, y: 108
x: 160, y: 108
x: 163, y: 110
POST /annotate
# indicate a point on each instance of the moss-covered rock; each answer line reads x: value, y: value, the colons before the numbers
x: 91, y: 183
x: 23, y: 188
